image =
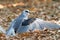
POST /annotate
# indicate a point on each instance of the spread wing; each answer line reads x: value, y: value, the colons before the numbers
x: 36, y: 24
x: 14, y: 26
x: 25, y: 25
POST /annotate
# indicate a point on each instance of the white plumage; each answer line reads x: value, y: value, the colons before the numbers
x: 23, y: 24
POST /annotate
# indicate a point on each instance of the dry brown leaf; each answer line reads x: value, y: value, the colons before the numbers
x: 1, y: 6
x: 20, y: 4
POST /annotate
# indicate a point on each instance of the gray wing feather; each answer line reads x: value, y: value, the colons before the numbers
x: 52, y: 25
x: 38, y: 25
x: 14, y: 26
x: 48, y: 25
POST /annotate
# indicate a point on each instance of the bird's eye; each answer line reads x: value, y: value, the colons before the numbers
x: 26, y: 11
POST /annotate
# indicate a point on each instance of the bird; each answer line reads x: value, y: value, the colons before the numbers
x: 23, y: 24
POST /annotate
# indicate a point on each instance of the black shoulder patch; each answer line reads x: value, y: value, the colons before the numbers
x: 28, y: 21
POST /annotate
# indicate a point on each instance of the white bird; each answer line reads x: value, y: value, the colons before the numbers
x: 24, y: 24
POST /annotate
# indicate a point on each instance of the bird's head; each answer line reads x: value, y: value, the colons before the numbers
x: 26, y: 12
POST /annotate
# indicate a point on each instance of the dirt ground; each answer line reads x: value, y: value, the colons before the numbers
x: 45, y: 9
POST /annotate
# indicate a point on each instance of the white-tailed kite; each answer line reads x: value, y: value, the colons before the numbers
x: 24, y: 24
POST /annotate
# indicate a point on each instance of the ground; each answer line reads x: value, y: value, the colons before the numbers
x: 45, y: 9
